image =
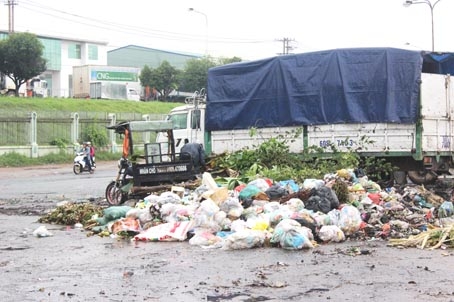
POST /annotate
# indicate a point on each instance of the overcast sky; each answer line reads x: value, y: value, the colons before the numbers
x: 250, y: 29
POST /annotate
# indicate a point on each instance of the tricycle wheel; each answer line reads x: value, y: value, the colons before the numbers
x: 114, y: 195
x: 77, y: 169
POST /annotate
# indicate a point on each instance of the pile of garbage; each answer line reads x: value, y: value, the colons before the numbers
x: 285, y: 214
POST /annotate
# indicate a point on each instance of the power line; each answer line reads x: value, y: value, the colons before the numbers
x: 128, y: 29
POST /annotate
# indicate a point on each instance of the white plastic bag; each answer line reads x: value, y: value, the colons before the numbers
x: 331, y: 233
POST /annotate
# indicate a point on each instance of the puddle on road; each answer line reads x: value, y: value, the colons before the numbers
x: 118, y: 244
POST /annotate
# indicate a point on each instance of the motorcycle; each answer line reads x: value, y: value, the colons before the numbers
x: 80, y: 165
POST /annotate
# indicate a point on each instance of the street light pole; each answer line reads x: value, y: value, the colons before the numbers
x: 206, y: 28
x: 407, y: 3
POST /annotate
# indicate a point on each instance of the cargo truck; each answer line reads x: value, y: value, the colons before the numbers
x: 106, y: 82
x: 401, y: 100
x: 35, y: 87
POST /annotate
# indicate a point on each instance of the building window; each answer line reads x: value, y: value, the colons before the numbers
x: 92, y: 52
x: 74, y: 51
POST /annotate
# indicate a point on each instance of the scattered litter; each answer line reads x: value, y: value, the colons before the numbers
x: 42, y: 231
x: 264, y: 213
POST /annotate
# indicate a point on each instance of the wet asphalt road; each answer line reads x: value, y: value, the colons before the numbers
x: 71, y: 266
x: 55, y: 182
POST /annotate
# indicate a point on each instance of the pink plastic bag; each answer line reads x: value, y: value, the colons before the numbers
x: 171, y: 231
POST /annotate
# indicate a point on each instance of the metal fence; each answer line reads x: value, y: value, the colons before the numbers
x: 37, y: 131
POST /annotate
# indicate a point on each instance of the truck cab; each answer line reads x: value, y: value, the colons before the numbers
x: 37, y: 88
x: 132, y: 94
x: 188, y: 121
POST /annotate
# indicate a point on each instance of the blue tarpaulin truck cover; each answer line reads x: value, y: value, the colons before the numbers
x: 359, y: 85
x: 439, y: 63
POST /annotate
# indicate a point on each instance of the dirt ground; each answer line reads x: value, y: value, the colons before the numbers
x: 71, y: 266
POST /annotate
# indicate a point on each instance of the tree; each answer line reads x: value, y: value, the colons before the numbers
x: 195, y: 74
x: 21, y: 58
x: 164, y: 79
x: 224, y: 61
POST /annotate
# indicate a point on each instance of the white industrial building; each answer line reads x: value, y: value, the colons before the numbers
x: 64, y: 53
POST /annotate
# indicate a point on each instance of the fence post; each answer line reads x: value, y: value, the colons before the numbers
x: 146, y: 134
x: 33, y: 135
x: 75, y: 128
x: 113, y: 120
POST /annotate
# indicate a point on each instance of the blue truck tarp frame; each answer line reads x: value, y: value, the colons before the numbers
x: 355, y: 85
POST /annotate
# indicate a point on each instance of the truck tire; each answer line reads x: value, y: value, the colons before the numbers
x: 422, y: 177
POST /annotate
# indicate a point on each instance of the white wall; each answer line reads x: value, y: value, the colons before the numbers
x: 61, y: 79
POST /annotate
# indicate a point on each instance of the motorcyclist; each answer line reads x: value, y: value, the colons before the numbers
x: 87, y: 157
x: 92, y: 154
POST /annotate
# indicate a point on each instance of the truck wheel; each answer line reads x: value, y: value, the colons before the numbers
x: 114, y: 195
x: 11, y: 93
x: 422, y: 177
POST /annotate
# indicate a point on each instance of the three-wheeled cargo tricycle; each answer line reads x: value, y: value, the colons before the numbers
x: 157, y: 164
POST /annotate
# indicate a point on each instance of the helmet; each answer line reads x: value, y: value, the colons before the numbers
x: 88, y: 143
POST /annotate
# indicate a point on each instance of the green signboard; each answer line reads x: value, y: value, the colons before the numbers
x: 97, y: 75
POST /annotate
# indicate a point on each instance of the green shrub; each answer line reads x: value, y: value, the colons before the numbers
x: 96, y: 135
x: 59, y: 142
x: 14, y: 159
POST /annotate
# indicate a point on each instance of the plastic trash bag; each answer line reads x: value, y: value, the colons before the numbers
x: 277, y: 216
x: 260, y: 223
x: 42, y: 231
x: 249, y: 192
x: 113, y: 213
x: 333, y: 217
x: 205, y: 239
x: 261, y: 183
x: 322, y: 199
x: 204, y: 216
x: 290, y: 185
x: 275, y: 192
x: 232, y: 207
x: 127, y: 224
x: 310, y: 183
x: 170, y: 231
x: 244, y: 239
x: 446, y: 209
x: 331, y: 233
x: 321, y: 218
x: 168, y: 197
x: 350, y: 219
x: 295, y: 204
x: 305, y: 219
x: 176, y: 212
x: 271, y: 206
x: 143, y: 215
x: 289, y: 234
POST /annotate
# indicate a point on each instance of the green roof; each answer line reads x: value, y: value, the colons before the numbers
x: 138, y: 56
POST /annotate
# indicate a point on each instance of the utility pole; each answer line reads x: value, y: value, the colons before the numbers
x: 11, y: 4
x: 286, y: 47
